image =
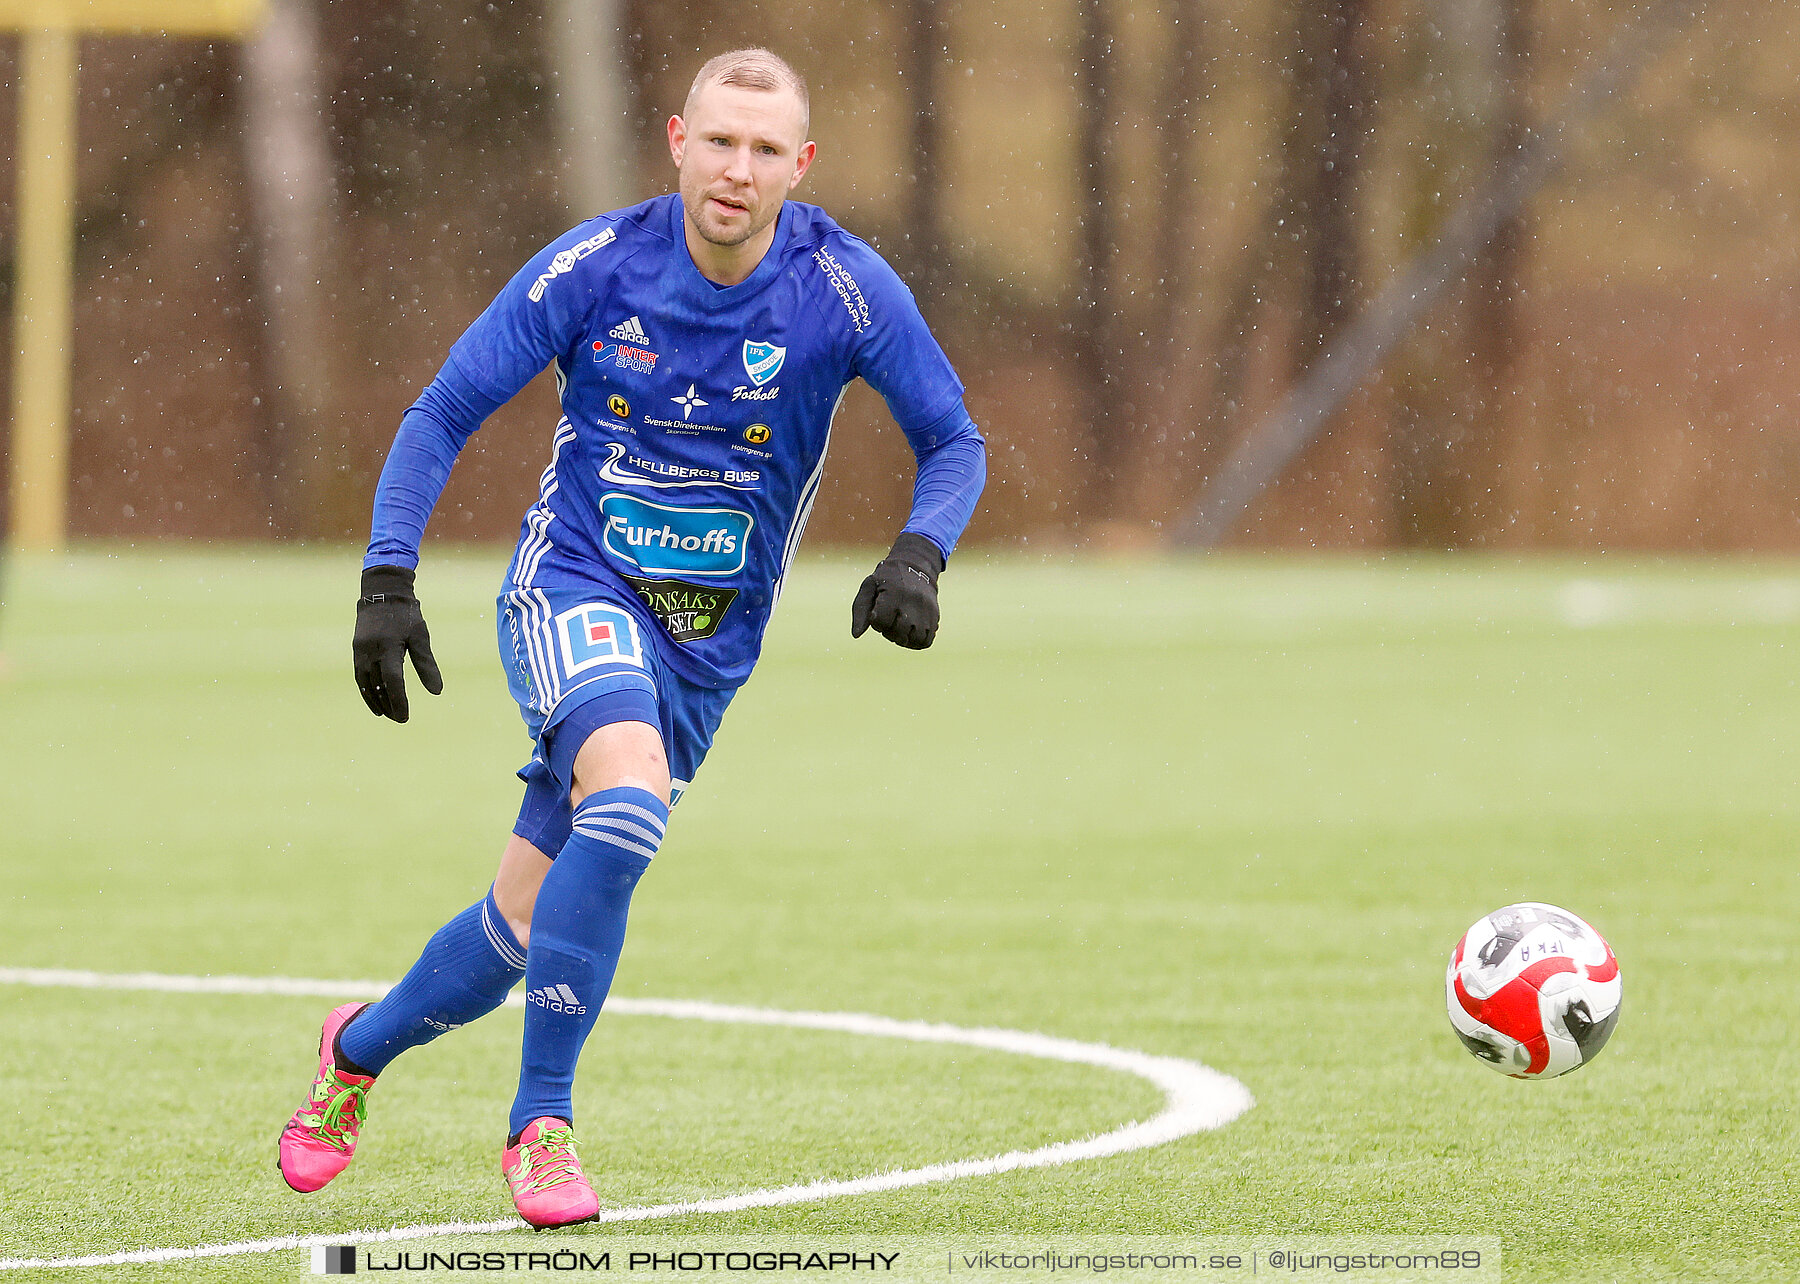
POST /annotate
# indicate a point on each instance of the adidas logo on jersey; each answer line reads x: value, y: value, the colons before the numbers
x: 629, y: 331
x: 558, y: 998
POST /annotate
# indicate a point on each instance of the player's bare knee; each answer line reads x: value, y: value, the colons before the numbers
x: 621, y: 755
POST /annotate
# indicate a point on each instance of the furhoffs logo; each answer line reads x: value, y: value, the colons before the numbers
x: 664, y: 540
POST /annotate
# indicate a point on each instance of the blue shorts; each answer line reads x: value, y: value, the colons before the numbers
x: 576, y: 660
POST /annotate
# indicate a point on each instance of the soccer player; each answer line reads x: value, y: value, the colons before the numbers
x: 702, y: 342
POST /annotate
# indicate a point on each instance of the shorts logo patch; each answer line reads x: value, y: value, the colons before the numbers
x: 762, y: 361
x: 662, y: 540
x: 688, y: 611
x: 597, y: 634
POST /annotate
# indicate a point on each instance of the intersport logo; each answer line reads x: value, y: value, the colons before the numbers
x: 664, y: 540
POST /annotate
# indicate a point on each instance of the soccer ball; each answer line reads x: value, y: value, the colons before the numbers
x: 1533, y: 991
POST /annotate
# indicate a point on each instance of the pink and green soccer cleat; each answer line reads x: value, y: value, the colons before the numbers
x: 545, y: 1177
x: 320, y: 1140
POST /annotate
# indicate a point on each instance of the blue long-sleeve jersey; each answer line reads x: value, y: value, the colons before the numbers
x: 695, y: 419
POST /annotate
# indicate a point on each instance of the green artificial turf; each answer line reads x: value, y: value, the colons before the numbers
x: 1231, y: 810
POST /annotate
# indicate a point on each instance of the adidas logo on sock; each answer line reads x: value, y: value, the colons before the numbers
x: 630, y: 331
x: 558, y: 998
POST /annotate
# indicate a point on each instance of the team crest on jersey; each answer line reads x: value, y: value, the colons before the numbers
x: 762, y: 361
x: 597, y: 634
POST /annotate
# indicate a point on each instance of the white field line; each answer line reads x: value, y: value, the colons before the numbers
x: 1591, y: 603
x: 1196, y: 1098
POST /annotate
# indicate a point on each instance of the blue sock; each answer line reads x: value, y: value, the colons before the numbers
x: 464, y: 973
x: 577, y: 930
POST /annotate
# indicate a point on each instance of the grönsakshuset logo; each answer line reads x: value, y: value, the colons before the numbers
x: 688, y: 611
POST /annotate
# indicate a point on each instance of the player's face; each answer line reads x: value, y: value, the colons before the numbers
x: 740, y: 152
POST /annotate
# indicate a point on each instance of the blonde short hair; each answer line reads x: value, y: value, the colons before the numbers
x: 752, y: 69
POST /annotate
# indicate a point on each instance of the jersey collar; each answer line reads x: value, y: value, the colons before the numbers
x: 703, y: 293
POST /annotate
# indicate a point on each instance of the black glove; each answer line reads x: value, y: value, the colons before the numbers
x: 388, y: 625
x: 899, y: 599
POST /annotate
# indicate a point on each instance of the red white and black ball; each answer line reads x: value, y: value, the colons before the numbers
x: 1533, y: 991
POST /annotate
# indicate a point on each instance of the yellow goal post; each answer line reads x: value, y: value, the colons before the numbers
x: 44, y: 247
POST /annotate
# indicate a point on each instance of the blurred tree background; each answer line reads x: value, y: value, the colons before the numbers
x: 1133, y: 225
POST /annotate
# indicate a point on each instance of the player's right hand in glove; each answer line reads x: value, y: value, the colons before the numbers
x: 899, y: 598
x: 388, y: 625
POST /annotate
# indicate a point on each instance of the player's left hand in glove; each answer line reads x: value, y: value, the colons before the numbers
x: 389, y: 624
x: 899, y: 598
